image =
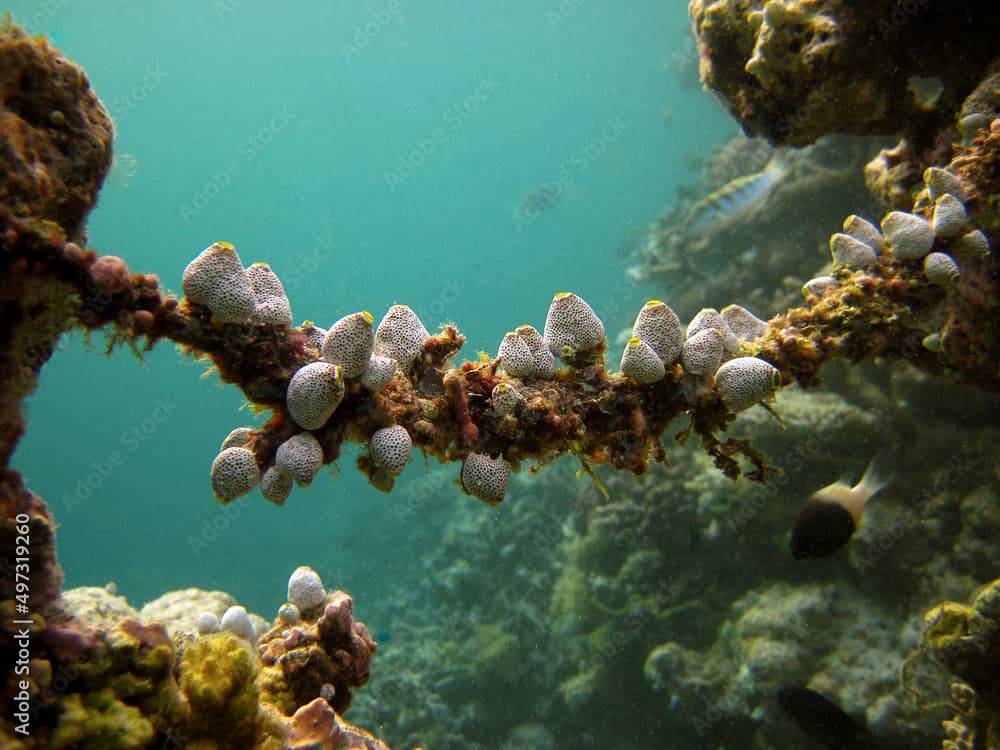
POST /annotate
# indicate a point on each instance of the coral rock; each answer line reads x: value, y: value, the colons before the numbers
x: 299, y: 660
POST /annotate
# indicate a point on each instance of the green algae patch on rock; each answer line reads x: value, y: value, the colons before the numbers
x: 99, y: 721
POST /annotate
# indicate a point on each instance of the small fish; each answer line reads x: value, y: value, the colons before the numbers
x: 831, y: 515
x: 821, y: 719
x: 538, y: 200
x: 735, y: 200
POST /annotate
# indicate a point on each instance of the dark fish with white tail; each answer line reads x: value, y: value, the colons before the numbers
x: 831, y: 516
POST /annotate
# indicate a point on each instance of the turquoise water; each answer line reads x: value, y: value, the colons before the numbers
x: 372, y: 153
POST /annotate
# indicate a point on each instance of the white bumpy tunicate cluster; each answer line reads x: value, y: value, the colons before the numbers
x: 911, y: 237
x: 655, y: 343
x: 349, y: 343
x: 400, y: 336
x: 523, y: 353
x: 217, y: 279
x: 486, y: 477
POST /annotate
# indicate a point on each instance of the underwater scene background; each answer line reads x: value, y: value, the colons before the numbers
x: 470, y: 160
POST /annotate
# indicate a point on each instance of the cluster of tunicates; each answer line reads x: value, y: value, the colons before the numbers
x: 350, y: 349
x: 707, y: 349
x: 235, y: 620
x: 234, y: 294
x: 910, y: 237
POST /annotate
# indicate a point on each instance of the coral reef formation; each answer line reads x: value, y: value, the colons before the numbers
x: 794, y: 70
x: 126, y: 679
x: 919, y: 288
x: 965, y: 641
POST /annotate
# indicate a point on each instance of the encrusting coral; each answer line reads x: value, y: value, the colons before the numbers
x: 793, y: 70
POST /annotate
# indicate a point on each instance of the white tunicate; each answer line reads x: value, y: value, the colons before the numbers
x: 941, y: 269
x: 486, y: 477
x: 864, y: 231
x: 641, y: 362
x: 236, y: 621
x: 849, y: 251
x: 238, y: 438
x: 301, y: 457
x: 660, y: 328
x: 349, y: 343
x: 305, y: 589
x: 390, y: 448
x: 950, y: 217
x: 314, y: 393
x: 234, y: 473
x: 571, y: 324
x: 206, y: 622
x: 401, y: 336
x: 289, y: 614
x: 910, y: 236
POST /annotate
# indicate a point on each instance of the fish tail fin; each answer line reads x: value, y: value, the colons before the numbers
x: 876, y: 476
x: 780, y: 161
